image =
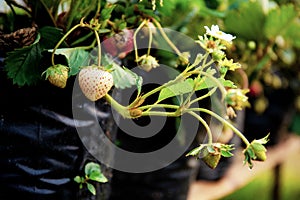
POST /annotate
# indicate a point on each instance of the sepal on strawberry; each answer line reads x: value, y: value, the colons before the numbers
x: 57, y: 75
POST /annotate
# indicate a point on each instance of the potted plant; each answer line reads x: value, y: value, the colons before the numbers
x: 70, y: 68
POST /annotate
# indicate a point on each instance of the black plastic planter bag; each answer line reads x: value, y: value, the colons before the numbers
x: 276, y: 115
x: 167, y: 183
x: 40, y: 150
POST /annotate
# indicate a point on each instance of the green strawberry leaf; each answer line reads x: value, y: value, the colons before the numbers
x: 279, y: 20
x: 123, y: 77
x: 76, y: 58
x: 227, y: 83
x: 91, y: 188
x: 78, y: 179
x: 180, y: 88
x: 106, y: 12
x: 50, y: 36
x: 98, y: 176
x: 246, y: 22
x: 292, y: 34
x: 203, y: 83
x: 22, y: 65
x: 91, y: 167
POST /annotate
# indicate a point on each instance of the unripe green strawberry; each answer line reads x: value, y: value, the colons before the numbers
x: 57, y: 75
x: 94, y: 82
x: 259, y: 150
x: 211, y: 159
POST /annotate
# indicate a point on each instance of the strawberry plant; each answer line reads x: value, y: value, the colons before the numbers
x: 63, y: 49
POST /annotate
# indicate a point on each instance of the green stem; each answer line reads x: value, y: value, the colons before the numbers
x: 161, y: 87
x: 171, y: 82
x: 134, y: 39
x: 209, y: 134
x: 208, y: 94
x: 159, y: 106
x: 150, y: 40
x: 166, y: 37
x: 204, y: 61
x: 218, y: 83
x: 99, y: 47
x: 206, y: 64
x: 214, y: 79
x: 222, y: 120
x: 97, y: 14
x: 12, y: 2
x: 49, y: 13
x: 71, y: 13
x: 158, y: 113
x: 122, y: 110
x: 61, y: 41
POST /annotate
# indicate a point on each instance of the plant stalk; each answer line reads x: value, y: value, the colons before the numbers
x: 222, y: 120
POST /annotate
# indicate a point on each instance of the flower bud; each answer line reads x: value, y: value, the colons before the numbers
x: 147, y: 62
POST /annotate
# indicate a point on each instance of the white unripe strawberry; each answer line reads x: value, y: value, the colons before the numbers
x: 94, y: 82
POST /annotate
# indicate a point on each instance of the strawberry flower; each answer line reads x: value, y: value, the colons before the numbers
x: 229, y: 64
x: 216, y: 33
x: 237, y: 98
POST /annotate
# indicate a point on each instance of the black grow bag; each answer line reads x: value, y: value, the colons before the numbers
x: 258, y: 125
x: 171, y: 182
x: 40, y: 150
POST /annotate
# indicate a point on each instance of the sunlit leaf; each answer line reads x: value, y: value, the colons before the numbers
x: 279, y: 20
x: 177, y: 89
x: 91, y: 167
x: 99, y: 177
x: 91, y: 188
x: 77, y: 179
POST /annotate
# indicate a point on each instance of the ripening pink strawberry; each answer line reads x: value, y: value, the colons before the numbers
x: 94, y: 82
x: 119, y: 44
x: 256, y: 89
